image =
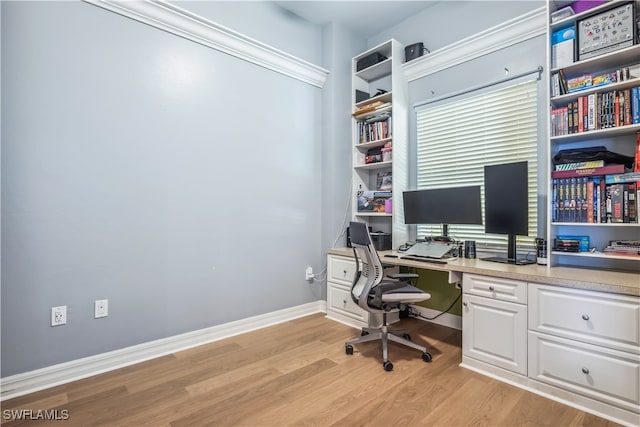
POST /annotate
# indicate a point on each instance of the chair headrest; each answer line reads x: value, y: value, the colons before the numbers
x: 359, y: 233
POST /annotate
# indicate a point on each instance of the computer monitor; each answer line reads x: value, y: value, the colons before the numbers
x: 454, y: 205
x: 506, y: 206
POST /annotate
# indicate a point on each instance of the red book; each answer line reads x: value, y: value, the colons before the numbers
x: 581, y: 114
x: 604, y: 170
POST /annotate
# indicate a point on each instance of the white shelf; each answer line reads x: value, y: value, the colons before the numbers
x: 597, y: 134
x: 618, y: 139
x: 374, y: 214
x: 565, y: 22
x: 376, y: 71
x: 598, y: 255
x: 372, y: 114
x: 365, y: 146
x: 372, y: 166
x: 589, y: 224
x: 564, y: 99
x: 602, y: 62
x: 385, y: 97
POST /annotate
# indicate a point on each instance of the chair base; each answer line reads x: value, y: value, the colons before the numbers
x: 383, y: 334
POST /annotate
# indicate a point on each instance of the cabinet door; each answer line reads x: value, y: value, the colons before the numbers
x: 495, y: 332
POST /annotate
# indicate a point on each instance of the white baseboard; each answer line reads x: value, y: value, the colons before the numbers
x: 447, y: 319
x: 50, y: 376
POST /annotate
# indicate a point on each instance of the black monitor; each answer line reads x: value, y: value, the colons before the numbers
x: 506, y: 205
x: 455, y: 205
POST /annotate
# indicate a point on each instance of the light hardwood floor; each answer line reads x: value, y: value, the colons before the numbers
x: 296, y: 374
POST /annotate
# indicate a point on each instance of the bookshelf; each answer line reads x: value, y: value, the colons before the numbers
x: 618, y: 137
x: 379, y: 140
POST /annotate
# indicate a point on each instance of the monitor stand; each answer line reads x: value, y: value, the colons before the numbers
x: 511, y: 257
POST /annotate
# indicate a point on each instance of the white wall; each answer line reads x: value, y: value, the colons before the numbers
x: 178, y: 182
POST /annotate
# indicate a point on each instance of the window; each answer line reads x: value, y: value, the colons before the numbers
x: 456, y: 139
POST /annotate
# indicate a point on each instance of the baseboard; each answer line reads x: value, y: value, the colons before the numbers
x: 447, y: 319
x: 40, y: 379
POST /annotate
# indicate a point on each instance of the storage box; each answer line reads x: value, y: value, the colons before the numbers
x: 606, y: 32
x: 369, y: 60
x: 562, y: 47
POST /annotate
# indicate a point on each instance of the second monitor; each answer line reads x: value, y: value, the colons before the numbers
x: 454, y: 205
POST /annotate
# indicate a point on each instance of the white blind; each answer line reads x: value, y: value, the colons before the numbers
x: 457, y: 139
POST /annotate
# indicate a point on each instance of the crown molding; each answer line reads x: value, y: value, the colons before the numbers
x: 519, y: 29
x: 178, y: 21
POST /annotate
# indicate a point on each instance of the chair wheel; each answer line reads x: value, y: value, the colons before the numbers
x: 426, y: 357
x: 388, y: 366
x: 348, y: 349
x: 363, y: 333
x: 406, y: 336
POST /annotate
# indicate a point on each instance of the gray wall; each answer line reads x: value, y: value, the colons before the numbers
x: 178, y: 182
x: 472, y: 17
x: 449, y: 21
x: 339, y: 47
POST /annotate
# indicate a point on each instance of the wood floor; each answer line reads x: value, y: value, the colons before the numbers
x: 297, y: 374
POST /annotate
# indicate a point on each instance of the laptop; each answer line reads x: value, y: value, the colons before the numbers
x: 429, y: 249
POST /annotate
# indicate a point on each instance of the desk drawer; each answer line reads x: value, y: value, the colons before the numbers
x: 341, y: 269
x: 495, y: 288
x: 600, y: 318
x: 340, y: 301
x: 607, y: 375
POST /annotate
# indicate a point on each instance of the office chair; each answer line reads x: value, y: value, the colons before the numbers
x: 379, y: 296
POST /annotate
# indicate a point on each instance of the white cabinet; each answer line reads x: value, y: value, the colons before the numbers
x: 340, y: 305
x: 380, y: 139
x: 614, y: 130
x: 587, y: 343
x: 494, y: 322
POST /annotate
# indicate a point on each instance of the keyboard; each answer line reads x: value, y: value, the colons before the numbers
x: 429, y: 249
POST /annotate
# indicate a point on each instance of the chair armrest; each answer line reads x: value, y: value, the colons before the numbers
x: 403, y: 276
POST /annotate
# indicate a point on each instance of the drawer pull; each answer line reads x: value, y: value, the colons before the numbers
x: 344, y: 273
x: 491, y: 288
x: 465, y: 304
x: 585, y: 370
x: 585, y: 317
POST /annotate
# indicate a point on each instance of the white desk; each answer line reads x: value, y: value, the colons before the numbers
x: 570, y: 334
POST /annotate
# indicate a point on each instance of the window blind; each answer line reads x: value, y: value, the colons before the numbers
x: 455, y: 140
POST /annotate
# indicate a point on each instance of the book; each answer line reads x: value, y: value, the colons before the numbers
x: 617, y: 203
x: 580, y: 165
x: 622, y: 178
x: 635, y: 105
x: 636, y: 161
x: 604, y: 170
x: 591, y: 112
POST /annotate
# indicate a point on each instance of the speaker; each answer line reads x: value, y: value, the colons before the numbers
x: 413, y: 51
x: 470, y: 249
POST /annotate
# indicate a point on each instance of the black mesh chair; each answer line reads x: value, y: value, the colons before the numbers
x: 380, y: 296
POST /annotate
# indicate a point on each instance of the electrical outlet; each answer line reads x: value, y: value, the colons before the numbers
x: 101, y: 308
x: 308, y: 273
x: 58, y: 315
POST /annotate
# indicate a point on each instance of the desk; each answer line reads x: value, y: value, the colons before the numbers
x: 579, y: 278
x: 569, y: 334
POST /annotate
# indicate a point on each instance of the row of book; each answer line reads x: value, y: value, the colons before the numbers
x: 560, y: 85
x: 595, y: 111
x: 594, y: 199
x: 375, y: 128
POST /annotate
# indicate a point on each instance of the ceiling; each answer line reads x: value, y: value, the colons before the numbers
x: 365, y: 18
